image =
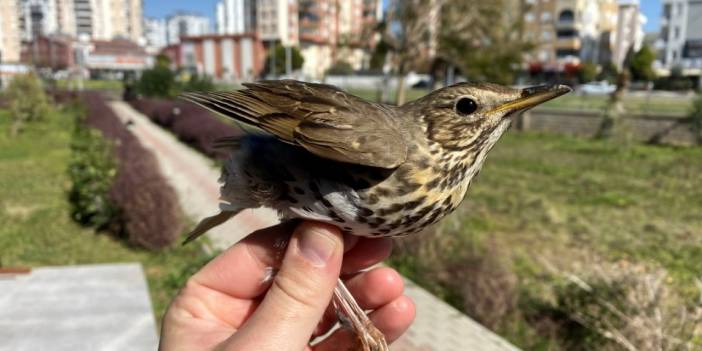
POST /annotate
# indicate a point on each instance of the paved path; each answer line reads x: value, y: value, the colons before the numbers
x: 94, y: 307
x: 439, y: 327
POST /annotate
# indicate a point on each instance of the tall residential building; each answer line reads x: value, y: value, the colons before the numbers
x: 186, y: 24
x: 570, y: 30
x: 319, y: 21
x: 9, y: 33
x: 629, y: 34
x: 236, y: 16
x: 97, y: 19
x: 681, y: 34
x: 277, y: 21
x: 155, y: 33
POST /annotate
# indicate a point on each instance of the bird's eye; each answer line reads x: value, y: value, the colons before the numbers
x: 466, y: 106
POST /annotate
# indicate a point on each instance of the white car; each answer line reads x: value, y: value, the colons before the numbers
x: 597, y: 88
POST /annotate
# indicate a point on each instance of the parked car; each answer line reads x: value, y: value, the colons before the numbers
x: 597, y: 88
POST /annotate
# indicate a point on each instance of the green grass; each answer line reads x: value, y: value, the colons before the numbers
x: 92, y: 84
x: 653, y: 106
x: 636, y: 202
x: 548, y: 200
x: 35, y: 224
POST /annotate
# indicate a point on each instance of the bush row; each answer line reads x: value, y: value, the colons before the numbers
x: 146, y: 209
x: 192, y: 124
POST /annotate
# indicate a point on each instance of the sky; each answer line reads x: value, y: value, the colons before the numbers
x: 161, y: 8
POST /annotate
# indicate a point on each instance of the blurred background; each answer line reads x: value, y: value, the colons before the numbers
x: 583, y: 232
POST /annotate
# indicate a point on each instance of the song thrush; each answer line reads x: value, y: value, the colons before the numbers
x: 371, y: 169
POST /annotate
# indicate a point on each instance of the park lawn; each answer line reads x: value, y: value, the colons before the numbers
x: 653, y: 106
x: 553, y: 201
x: 35, y: 224
x: 92, y: 84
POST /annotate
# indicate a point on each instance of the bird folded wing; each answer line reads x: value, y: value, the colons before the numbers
x: 320, y: 118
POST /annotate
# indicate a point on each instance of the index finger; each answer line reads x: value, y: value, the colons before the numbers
x: 242, y: 270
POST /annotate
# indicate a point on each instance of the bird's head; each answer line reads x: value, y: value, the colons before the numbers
x: 471, y: 116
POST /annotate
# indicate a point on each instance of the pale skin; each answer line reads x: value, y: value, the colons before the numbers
x: 230, y: 305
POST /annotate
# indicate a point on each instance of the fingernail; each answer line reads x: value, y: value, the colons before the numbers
x: 317, y: 245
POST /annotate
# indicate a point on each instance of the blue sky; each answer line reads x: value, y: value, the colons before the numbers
x: 161, y: 8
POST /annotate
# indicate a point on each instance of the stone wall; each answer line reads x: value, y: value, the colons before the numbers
x: 665, y: 130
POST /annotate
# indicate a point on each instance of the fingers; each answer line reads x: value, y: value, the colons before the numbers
x: 366, y: 253
x: 299, y: 294
x: 373, y: 289
x: 240, y: 271
x: 392, y: 319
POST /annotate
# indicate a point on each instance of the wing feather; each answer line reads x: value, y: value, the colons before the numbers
x: 323, y: 119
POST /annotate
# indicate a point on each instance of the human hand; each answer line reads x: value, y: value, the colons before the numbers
x: 230, y: 305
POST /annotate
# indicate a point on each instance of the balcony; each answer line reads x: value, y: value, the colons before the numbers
x: 568, y: 43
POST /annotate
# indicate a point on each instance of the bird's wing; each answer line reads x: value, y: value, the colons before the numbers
x: 321, y: 118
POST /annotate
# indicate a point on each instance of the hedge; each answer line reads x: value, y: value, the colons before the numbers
x: 149, y: 213
x: 192, y: 124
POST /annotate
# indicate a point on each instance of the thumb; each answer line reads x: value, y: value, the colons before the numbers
x: 300, y: 293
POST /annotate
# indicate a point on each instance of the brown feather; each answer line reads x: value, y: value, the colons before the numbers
x: 320, y: 118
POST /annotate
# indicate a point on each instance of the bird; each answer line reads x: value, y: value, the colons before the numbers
x: 375, y: 170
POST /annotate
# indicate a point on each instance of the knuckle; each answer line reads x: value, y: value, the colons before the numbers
x: 296, y: 290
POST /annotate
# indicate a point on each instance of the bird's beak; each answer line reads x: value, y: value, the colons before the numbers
x: 533, y: 96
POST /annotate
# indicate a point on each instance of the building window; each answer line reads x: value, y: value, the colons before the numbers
x: 677, y: 33
x: 546, y: 35
x: 545, y: 16
x: 529, y: 17
x: 566, y: 16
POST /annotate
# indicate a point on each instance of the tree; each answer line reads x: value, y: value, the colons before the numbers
x: 410, y: 32
x: 27, y: 100
x: 158, y: 81
x: 278, y: 55
x: 587, y: 72
x: 340, y: 68
x: 641, y: 64
x: 483, y: 38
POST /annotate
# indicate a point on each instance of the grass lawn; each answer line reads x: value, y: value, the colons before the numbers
x: 92, y: 84
x: 654, y: 105
x: 548, y: 200
x: 35, y: 224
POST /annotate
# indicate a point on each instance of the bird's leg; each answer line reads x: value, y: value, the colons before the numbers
x: 351, y: 315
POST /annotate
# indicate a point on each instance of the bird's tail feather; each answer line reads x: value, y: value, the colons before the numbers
x: 209, y: 223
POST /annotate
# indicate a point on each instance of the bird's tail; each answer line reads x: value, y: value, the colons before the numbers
x: 209, y: 223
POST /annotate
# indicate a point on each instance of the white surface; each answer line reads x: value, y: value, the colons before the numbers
x: 97, y: 308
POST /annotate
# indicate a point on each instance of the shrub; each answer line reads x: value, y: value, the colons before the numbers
x: 199, y: 83
x: 159, y: 81
x: 92, y: 170
x: 192, y: 124
x: 149, y: 213
x: 471, y: 276
x: 27, y: 101
x: 340, y: 68
x: 627, y: 307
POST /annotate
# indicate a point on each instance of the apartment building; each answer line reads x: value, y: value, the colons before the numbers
x: 155, y: 34
x: 629, y: 34
x: 229, y: 57
x: 10, y: 35
x: 277, y: 21
x: 94, y: 19
x: 236, y: 16
x: 332, y: 30
x: 570, y: 30
x: 681, y: 35
x: 186, y: 24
